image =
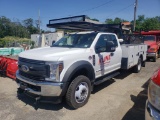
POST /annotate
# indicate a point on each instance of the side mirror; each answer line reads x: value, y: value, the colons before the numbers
x: 120, y: 40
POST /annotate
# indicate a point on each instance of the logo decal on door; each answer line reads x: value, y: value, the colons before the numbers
x: 105, y: 60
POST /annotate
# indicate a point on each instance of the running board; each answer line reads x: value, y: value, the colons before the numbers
x: 107, y: 77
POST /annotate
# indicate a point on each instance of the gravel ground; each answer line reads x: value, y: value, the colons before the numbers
x: 120, y: 98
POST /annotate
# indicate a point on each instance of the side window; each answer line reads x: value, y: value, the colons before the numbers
x: 106, y: 37
x: 101, y: 41
x: 113, y: 39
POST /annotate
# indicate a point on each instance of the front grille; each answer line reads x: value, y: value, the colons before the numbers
x: 33, y: 77
x: 37, y: 70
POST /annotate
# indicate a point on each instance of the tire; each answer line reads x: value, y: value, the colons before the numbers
x: 143, y: 63
x: 78, y: 92
x: 158, y: 53
x: 137, y: 68
x: 155, y: 57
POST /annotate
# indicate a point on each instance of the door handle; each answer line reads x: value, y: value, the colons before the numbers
x: 112, y: 54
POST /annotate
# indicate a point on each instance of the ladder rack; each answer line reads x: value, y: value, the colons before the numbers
x: 82, y: 23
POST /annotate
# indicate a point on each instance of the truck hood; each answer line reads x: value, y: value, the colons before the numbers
x: 50, y: 53
x: 150, y: 43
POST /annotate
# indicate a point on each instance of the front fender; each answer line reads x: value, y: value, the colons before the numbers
x: 77, y: 66
x: 73, y: 69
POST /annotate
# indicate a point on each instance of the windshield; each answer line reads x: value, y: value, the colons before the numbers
x: 76, y: 40
x: 149, y: 38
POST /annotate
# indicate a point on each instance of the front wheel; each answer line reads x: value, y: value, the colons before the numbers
x: 78, y: 92
x: 158, y: 53
x: 155, y: 57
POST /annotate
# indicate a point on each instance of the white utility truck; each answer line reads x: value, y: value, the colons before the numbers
x: 77, y: 62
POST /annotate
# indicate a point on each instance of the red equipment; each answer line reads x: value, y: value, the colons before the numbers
x: 2, y: 64
x: 1, y: 58
x: 11, y: 69
x: 8, y: 67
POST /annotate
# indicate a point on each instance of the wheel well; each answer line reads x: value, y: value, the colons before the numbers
x: 76, y: 69
x: 82, y: 71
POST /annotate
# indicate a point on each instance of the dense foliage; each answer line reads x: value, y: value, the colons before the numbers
x: 10, y: 41
x: 142, y: 23
x: 22, y: 29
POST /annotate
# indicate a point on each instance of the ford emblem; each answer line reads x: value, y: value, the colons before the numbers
x: 25, y: 68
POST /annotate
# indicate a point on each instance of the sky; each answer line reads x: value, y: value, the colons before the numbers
x: 54, y: 9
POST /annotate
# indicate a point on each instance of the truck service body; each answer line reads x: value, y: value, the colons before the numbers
x: 76, y: 62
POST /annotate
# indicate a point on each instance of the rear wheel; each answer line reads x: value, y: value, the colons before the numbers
x: 137, y: 68
x: 78, y: 92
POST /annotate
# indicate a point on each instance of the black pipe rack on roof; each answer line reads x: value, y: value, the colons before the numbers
x: 81, y: 23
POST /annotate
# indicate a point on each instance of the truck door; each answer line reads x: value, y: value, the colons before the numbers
x: 107, y: 62
x: 158, y: 40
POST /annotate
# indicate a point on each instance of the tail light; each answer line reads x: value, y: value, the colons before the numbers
x: 156, y: 77
x: 154, y: 90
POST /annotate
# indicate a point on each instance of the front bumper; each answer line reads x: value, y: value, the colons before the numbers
x: 40, y: 88
x: 151, y: 54
x: 151, y: 113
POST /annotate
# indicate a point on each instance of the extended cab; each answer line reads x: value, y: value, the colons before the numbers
x: 75, y: 63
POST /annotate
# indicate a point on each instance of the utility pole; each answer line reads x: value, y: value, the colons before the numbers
x: 135, y: 10
x: 39, y: 22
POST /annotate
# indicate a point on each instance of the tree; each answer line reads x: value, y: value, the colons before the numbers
x: 29, y: 24
x: 117, y: 20
x: 109, y: 21
x: 143, y: 23
x: 5, y: 26
x: 151, y: 24
x: 17, y: 28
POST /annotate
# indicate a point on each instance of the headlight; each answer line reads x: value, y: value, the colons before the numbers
x: 153, y: 49
x: 55, y: 69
